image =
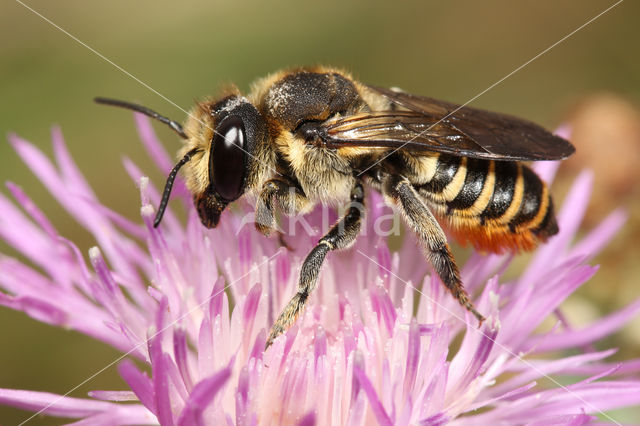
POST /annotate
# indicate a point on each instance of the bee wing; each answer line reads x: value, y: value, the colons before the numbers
x: 432, y: 125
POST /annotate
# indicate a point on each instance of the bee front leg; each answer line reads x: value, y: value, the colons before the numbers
x: 340, y: 236
x: 424, y: 224
x: 290, y: 197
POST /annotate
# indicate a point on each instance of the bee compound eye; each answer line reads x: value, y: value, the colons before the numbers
x: 227, y: 162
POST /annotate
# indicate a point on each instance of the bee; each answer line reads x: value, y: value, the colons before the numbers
x: 316, y: 135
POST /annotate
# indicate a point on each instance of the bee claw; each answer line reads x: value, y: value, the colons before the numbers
x: 283, y: 242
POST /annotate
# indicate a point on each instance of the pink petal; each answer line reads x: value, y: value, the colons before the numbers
x: 32, y: 209
x: 595, y: 241
x: 546, y: 170
x: 113, y: 395
x: 70, y: 172
x: 139, y: 383
x: 592, y: 333
x: 52, y: 404
x: 180, y: 351
x: 160, y: 369
x: 308, y: 420
x: 201, y: 396
x: 376, y: 406
x: 153, y: 146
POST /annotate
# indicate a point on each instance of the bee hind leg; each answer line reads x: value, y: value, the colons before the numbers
x: 432, y: 237
x: 340, y: 236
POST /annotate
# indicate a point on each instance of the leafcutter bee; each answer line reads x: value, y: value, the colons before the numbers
x: 313, y: 135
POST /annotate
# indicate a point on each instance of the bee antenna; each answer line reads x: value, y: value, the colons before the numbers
x: 175, y: 126
x: 169, y: 185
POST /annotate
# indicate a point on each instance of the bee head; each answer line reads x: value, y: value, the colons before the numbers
x: 220, y: 140
x: 226, y: 134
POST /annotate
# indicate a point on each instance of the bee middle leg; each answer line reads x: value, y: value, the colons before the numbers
x: 340, y: 236
x: 424, y: 224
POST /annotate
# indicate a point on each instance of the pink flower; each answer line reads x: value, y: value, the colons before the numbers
x: 195, y: 306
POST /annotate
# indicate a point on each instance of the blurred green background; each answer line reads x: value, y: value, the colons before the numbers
x: 448, y: 50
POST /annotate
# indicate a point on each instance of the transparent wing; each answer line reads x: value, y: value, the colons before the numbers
x: 432, y: 125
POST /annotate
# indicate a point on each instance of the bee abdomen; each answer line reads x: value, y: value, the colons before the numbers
x: 476, y: 183
x: 494, y: 205
x: 459, y: 185
x: 520, y: 201
x: 504, y: 189
x: 536, y: 213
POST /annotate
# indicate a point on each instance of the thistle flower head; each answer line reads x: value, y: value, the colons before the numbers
x: 380, y: 342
